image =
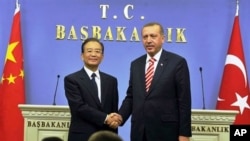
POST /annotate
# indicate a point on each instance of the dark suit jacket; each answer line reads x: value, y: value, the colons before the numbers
x: 87, y: 113
x: 164, y: 112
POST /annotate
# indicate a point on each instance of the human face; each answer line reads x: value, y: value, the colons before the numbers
x: 92, y: 55
x: 152, y: 39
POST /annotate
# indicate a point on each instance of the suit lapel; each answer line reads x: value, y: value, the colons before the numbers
x: 89, y: 86
x: 104, y: 84
x: 141, y: 73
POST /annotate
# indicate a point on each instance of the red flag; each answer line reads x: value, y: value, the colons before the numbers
x: 234, y: 89
x: 12, y: 86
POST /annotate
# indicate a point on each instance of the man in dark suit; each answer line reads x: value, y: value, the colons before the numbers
x: 160, y: 109
x: 90, y: 97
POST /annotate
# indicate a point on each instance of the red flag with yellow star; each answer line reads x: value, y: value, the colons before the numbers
x: 12, y: 86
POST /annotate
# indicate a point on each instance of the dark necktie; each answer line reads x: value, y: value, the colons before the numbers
x: 149, y: 74
x: 94, y: 84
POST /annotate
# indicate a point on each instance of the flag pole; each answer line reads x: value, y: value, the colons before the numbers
x: 237, y: 8
x: 17, y: 7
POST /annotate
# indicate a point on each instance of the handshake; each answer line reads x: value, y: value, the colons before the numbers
x: 113, y: 120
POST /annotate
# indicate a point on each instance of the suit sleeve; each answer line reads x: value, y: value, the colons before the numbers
x: 126, y: 107
x: 184, y: 98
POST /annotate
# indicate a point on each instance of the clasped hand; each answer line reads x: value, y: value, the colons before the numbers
x: 114, y: 120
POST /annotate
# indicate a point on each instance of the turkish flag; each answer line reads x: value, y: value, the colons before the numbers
x: 234, y: 89
x: 12, y: 86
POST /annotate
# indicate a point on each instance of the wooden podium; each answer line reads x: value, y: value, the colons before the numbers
x: 42, y: 121
x: 47, y: 120
x: 212, y: 125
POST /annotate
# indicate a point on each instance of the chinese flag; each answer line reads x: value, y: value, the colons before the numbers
x: 234, y: 89
x: 12, y: 86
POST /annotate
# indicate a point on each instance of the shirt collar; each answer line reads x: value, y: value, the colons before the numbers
x: 156, y: 57
x: 89, y: 72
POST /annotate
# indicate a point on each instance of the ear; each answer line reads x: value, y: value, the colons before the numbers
x: 82, y: 57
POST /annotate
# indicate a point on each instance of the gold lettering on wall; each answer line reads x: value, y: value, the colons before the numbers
x: 60, y: 32
x: 180, y: 38
x: 135, y: 36
x: 84, y: 33
x: 72, y: 33
x: 118, y: 33
x: 109, y: 33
